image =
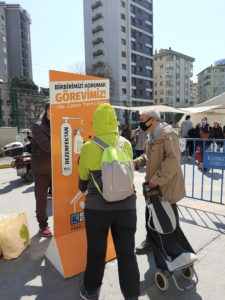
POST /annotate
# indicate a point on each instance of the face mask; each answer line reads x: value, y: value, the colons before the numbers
x: 143, y: 125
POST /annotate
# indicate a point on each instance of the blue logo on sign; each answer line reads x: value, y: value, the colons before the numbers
x: 75, y: 218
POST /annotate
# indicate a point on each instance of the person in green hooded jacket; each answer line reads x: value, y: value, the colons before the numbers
x: 100, y: 215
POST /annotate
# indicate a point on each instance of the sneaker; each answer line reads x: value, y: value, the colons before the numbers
x: 86, y: 295
x: 144, y: 247
x: 46, y: 232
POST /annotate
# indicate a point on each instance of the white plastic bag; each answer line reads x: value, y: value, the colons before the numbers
x: 14, y: 234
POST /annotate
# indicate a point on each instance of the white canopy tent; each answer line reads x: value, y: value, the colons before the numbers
x: 213, y: 109
x: 160, y: 108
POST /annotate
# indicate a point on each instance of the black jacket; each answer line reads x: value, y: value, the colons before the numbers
x: 41, y: 148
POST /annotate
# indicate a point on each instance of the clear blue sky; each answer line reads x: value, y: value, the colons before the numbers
x: 194, y: 27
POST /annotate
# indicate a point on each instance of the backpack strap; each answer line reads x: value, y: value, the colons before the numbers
x: 103, y: 145
x: 100, y: 143
x: 121, y: 142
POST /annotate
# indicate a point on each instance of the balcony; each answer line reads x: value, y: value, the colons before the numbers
x: 97, y: 29
x: 98, y: 52
x: 96, y: 5
x: 97, y: 41
x: 97, y: 17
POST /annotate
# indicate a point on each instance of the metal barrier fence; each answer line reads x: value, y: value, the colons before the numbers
x: 203, y: 163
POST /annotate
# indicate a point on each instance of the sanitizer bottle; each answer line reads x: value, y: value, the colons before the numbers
x: 78, y: 142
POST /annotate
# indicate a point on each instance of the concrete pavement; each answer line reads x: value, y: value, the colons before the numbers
x: 31, y: 276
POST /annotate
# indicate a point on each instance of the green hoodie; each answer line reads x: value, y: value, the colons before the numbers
x: 106, y: 128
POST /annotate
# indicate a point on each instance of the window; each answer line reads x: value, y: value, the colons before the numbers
x: 133, y: 57
x: 133, y: 69
x: 133, y: 81
x: 123, y: 41
x: 123, y: 28
x: 140, y: 69
x: 132, y: 9
x: 177, y: 99
x: 123, y: 3
x: 123, y: 54
x: 133, y: 45
x: 124, y: 91
x: 133, y: 33
x: 139, y: 22
x: 123, y: 16
x: 134, y: 93
x: 124, y: 67
x: 124, y: 78
x: 139, y: 45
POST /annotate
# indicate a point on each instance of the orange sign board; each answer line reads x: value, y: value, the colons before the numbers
x: 73, y: 100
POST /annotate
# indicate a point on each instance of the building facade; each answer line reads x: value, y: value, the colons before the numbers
x: 172, y: 74
x: 119, y: 37
x: 194, y: 93
x: 15, y: 44
x: 211, y: 81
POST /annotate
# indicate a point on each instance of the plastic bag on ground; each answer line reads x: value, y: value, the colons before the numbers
x: 14, y: 235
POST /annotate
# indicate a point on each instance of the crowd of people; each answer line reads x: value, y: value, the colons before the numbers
x: 202, y: 130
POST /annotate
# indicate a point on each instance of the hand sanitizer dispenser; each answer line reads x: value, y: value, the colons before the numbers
x: 78, y: 142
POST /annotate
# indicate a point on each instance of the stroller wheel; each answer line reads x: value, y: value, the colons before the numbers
x: 188, y: 273
x: 162, y: 281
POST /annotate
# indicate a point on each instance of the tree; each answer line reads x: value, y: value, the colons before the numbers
x: 101, y: 69
x: 27, y: 103
x: 24, y: 84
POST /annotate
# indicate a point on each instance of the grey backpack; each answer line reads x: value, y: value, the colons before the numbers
x: 117, y: 172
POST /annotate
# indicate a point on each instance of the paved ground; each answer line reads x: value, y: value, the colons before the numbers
x: 31, y: 276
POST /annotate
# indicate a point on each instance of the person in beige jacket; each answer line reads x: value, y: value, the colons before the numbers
x: 162, y: 161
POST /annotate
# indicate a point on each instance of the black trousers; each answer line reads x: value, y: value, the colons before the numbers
x: 123, y: 227
x: 42, y: 183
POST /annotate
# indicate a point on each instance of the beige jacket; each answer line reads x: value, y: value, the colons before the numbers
x: 163, y: 166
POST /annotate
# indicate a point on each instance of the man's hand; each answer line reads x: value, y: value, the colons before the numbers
x: 152, y: 184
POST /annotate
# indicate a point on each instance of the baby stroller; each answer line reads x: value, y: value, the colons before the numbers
x: 172, y: 252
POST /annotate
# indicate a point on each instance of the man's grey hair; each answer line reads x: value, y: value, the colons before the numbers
x: 151, y: 113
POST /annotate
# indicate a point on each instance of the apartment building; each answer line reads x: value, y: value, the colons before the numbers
x: 172, y: 73
x: 194, y: 93
x: 211, y: 81
x: 15, y: 45
x: 119, y: 37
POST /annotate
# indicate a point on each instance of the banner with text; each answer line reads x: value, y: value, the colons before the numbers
x: 73, y: 100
